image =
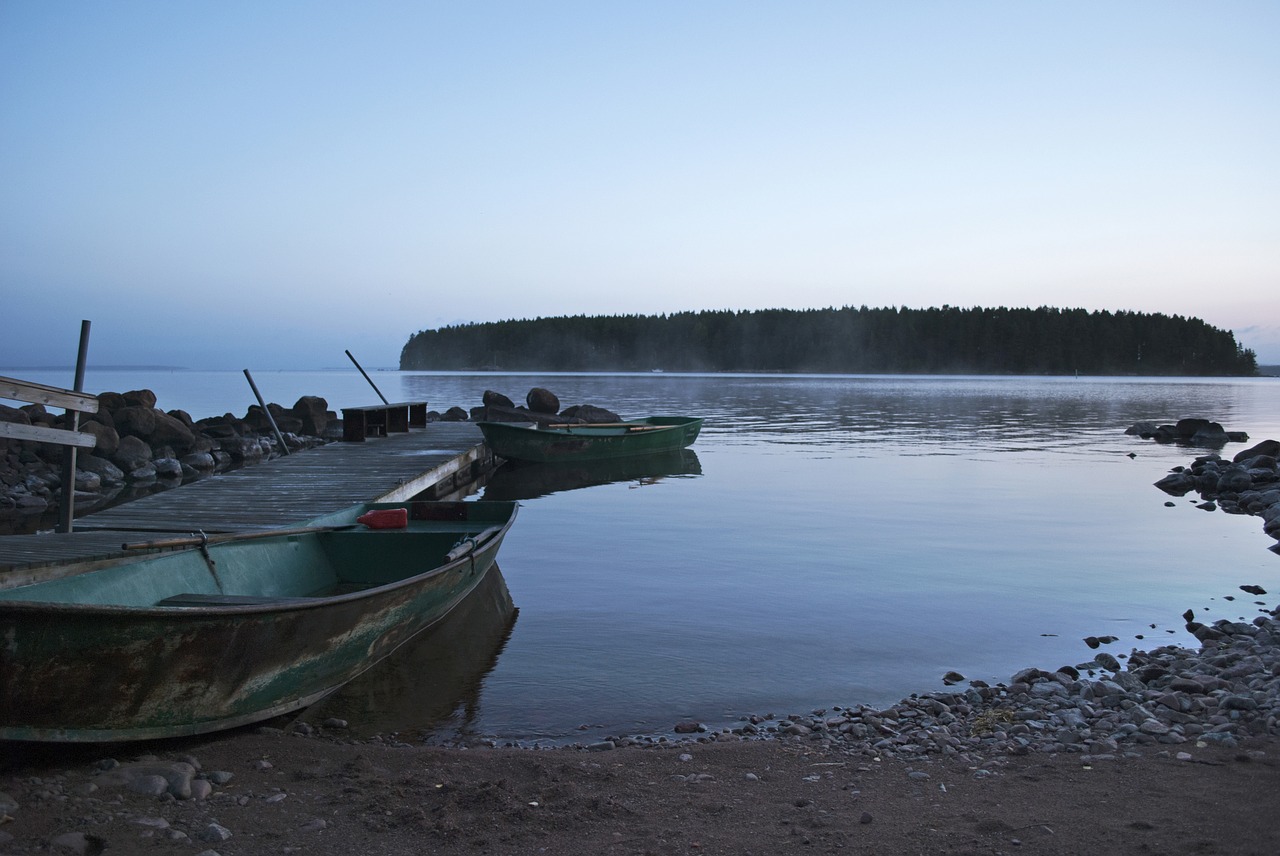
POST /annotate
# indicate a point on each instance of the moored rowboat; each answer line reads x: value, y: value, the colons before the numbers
x: 550, y: 443
x: 230, y: 633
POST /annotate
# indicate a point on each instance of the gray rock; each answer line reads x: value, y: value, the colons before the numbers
x: 214, y: 832
x: 79, y: 843
x: 107, y: 472
x: 167, y: 468
x: 148, y: 785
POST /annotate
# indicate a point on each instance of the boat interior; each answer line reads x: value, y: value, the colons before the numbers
x: 277, y: 569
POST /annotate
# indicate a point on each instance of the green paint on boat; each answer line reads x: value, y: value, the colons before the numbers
x: 200, y: 639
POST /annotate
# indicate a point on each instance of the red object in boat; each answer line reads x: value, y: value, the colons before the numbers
x: 385, y: 518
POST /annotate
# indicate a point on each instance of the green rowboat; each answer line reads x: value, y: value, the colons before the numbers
x: 234, y: 630
x: 591, y: 442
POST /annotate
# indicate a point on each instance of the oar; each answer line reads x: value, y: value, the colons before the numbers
x: 198, y: 540
x: 470, y: 543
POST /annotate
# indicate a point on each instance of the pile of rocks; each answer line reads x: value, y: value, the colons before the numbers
x: 541, y: 406
x: 1247, y: 484
x: 141, y: 448
x: 1189, y: 432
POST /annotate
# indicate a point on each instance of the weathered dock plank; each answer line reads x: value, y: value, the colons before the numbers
x: 278, y: 493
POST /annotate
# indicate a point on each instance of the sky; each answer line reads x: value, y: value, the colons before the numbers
x: 267, y: 184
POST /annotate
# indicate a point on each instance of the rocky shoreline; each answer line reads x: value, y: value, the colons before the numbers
x: 1215, y: 705
x: 291, y: 788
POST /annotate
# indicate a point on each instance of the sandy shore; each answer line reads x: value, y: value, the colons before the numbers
x: 321, y: 797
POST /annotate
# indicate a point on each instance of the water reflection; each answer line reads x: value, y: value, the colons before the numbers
x: 433, y: 683
x: 530, y: 481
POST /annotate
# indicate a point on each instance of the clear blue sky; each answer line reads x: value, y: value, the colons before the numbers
x: 265, y: 184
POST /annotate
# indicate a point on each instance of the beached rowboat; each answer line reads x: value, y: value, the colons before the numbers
x: 517, y: 441
x: 233, y: 631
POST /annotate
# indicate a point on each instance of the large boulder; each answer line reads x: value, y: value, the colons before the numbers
x: 170, y: 431
x: 312, y: 413
x: 1177, y: 483
x: 542, y: 400
x: 131, y: 454
x: 589, y: 413
x: 257, y: 420
x: 14, y: 414
x: 1270, y: 448
x: 135, y: 421
x: 139, y: 398
x: 37, y: 414
x: 106, y: 471
x: 110, y: 402
x: 1210, y: 435
x: 224, y: 427
x: 108, y: 439
x: 496, y: 399
x: 1187, y: 428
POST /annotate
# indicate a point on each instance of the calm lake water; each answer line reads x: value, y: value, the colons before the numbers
x: 830, y: 541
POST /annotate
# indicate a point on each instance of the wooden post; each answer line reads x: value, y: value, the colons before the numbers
x: 67, y: 510
x: 371, y: 383
x: 284, y: 447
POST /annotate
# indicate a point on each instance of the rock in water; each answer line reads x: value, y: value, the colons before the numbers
x: 542, y: 400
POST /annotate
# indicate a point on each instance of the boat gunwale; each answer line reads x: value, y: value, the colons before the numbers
x: 291, y: 604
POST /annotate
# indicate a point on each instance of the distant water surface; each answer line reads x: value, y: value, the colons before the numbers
x: 833, y: 540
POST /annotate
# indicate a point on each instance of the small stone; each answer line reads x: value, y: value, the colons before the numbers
x: 687, y: 726
x: 318, y: 823
x: 866, y: 817
x: 149, y: 786
x: 262, y: 764
x: 918, y: 775
x: 334, y: 722
x: 151, y: 822
x: 214, y: 832
x: 220, y: 777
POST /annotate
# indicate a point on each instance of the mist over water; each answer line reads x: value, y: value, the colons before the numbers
x: 834, y: 540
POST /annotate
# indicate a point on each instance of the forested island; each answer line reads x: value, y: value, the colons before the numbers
x: 848, y: 340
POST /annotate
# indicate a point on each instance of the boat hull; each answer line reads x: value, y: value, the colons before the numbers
x: 520, y: 442
x: 90, y: 672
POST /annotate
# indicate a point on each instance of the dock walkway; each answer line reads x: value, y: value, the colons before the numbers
x: 279, y: 493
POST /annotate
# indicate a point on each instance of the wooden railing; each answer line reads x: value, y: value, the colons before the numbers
x: 51, y: 396
x: 74, y: 403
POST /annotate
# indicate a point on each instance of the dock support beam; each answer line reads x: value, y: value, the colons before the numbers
x: 67, y: 508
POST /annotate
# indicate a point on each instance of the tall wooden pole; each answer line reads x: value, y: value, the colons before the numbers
x: 274, y: 427
x: 366, y: 377
x: 67, y: 509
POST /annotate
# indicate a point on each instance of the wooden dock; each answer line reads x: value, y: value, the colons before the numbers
x: 282, y: 492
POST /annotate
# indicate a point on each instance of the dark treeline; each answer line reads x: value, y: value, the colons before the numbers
x: 848, y: 340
